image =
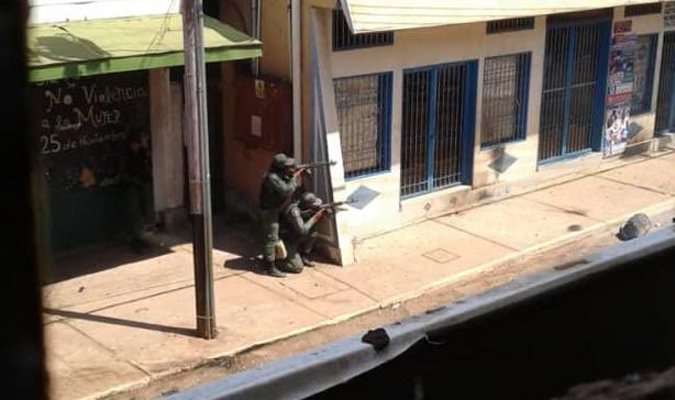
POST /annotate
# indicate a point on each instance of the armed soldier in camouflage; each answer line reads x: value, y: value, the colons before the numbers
x: 298, y: 233
x: 278, y: 188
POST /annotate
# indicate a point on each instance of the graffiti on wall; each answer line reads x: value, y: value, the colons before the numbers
x: 85, y: 127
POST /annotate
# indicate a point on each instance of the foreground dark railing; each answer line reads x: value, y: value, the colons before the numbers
x: 604, y: 316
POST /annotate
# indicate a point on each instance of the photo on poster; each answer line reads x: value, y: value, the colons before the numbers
x: 616, y: 129
x: 619, y: 94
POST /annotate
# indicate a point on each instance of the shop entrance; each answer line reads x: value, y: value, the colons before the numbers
x: 573, y: 97
x: 437, y: 133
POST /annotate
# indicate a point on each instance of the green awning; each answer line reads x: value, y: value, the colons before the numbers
x: 70, y: 49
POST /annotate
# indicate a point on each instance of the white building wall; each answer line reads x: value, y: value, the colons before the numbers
x: 646, y: 24
x: 431, y: 46
x: 45, y: 11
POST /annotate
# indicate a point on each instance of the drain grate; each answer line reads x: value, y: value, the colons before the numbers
x: 440, y: 256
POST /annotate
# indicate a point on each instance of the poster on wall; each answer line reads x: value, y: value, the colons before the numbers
x: 619, y: 93
x: 669, y: 14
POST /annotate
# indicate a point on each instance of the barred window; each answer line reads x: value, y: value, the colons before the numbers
x: 364, y: 113
x: 344, y: 39
x: 642, y: 9
x: 505, y: 95
x: 510, y: 25
x: 643, y: 73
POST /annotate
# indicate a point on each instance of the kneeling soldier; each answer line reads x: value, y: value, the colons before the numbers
x: 299, y: 220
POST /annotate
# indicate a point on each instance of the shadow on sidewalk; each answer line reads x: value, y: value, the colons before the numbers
x: 123, y: 322
x: 246, y: 263
x: 96, y: 259
x: 232, y: 237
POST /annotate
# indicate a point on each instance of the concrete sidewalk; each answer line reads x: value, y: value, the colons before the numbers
x: 124, y: 326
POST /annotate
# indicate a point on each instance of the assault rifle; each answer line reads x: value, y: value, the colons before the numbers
x: 335, y: 206
x: 307, y: 168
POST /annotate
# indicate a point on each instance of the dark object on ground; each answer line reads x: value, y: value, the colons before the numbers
x: 638, y: 225
x: 649, y: 386
x: 139, y: 246
x: 378, y: 338
x: 170, y: 392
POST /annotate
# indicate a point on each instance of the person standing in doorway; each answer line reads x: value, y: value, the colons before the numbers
x: 136, y: 174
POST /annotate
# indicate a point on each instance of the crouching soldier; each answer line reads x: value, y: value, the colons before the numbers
x: 278, y: 188
x: 299, y: 234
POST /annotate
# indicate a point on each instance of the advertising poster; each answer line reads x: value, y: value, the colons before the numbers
x: 619, y: 93
x: 669, y: 14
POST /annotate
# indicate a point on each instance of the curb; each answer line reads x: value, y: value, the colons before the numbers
x: 651, y: 211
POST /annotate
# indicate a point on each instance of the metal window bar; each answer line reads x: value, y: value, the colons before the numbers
x: 416, y: 88
x: 510, y: 25
x: 433, y: 130
x: 642, y: 9
x: 664, y: 104
x: 449, y: 127
x: 505, y: 94
x: 364, y: 113
x: 643, y: 73
x: 571, y: 90
x: 583, y: 88
x: 344, y: 39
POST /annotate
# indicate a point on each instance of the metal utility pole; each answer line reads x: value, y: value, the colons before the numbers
x: 196, y: 120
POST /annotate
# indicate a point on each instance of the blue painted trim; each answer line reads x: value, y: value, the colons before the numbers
x: 601, y: 91
x: 418, y: 194
x: 432, y: 106
x: 367, y: 175
x: 649, y: 84
x: 469, y: 121
x: 493, y: 145
x: 523, y: 97
x: 571, y: 45
x: 437, y: 66
x: 568, y: 156
x: 598, y: 112
x: 579, y: 22
x: 671, y: 104
x: 385, y: 84
x: 385, y: 98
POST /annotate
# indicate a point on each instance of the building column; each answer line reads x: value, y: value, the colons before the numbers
x: 167, y: 147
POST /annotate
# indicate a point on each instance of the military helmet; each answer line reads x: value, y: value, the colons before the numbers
x: 309, y: 199
x: 281, y: 161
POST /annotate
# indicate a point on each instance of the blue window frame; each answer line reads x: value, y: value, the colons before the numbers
x: 665, y: 110
x: 575, y: 84
x: 643, y: 73
x: 364, y: 115
x: 438, y: 117
x: 505, y: 98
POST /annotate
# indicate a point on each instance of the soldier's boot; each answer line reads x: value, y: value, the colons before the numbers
x: 307, y: 261
x: 271, y: 269
x: 290, y: 268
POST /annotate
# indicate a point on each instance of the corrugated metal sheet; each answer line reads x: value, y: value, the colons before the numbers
x: 386, y: 15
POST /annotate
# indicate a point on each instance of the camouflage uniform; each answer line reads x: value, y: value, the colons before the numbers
x: 299, y: 219
x: 278, y: 186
